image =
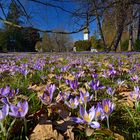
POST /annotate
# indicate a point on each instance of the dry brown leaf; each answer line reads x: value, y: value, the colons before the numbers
x: 69, y: 133
x: 118, y: 137
x: 64, y: 87
x: 87, y: 86
x: 110, y: 133
x: 124, y: 69
x: 89, y: 131
x: 36, y: 88
x: 126, y: 99
x: 51, y: 75
x: 82, y: 89
x: 69, y: 77
x: 122, y: 89
x: 44, y: 132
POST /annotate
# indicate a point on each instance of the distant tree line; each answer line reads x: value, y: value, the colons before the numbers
x: 54, y: 43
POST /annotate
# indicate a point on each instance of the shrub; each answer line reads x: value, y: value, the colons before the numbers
x: 137, y: 45
x: 124, y: 45
x: 97, y: 43
x: 82, y: 45
x: 100, y: 46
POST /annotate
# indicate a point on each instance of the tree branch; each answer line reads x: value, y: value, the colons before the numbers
x: 52, y: 5
x: 26, y: 14
x: 40, y: 30
x: 2, y: 10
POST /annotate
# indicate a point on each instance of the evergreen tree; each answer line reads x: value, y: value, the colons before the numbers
x: 30, y: 37
x: 15, y: 39
x: 13, y: 34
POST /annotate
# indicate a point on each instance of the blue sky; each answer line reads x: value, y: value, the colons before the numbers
x: 52, y: 18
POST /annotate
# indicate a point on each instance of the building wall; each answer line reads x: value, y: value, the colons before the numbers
x: 86, y: 36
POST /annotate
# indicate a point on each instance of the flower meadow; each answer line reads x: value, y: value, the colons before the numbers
x: 81, y: 96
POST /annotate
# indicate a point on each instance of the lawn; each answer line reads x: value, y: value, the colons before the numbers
x: 75, y: 96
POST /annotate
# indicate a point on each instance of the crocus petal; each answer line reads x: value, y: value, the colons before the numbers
x: 25, y: 108
x: 112, y: 106
x: 5, y: 110
x: 13, y: 108
x: 92, y: 109
x: 77, y: 120
x: 92, y: 113
x: 5, y: 101
x: 51, y: 96
x: 87, y: 94
x: 82, y: 111
x: 13, y: 114
x: 5, y: 91
x: 95, y: 124
x: 97, y: 83
x: 91, y: 97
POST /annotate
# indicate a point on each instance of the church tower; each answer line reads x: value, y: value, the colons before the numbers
x: 86, y: 33
x: 86, y: 30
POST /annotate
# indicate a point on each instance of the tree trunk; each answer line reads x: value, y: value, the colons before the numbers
x: 138, y: 35
x: 121, y: 16
x: 118, y: 36
x: 130, y: 46
x: 119, y: 46
x: 99, y: 25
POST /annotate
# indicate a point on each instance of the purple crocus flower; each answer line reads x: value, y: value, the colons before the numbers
x: 73, y: 84
x: 4, y: 112
x: 105, y: 75
x: 65, y: 68
x: 110, y: 91
x: 79, y: 74
x: 64, y: 95
x: 20, y: 110
x: 13, y: 92
x: 99, y: 113
x: 23, y: 69
x: 112, y: 72
x: 87, y: 118
x: 67, y: 81
x: 4, y: 91
x: 94, y: 75
x: 58, y: 77
x: 120, y: 83
x: 135, y: 94
x: 5, y: 100
x: 72, y: 103
x: 85, y: 97
x: 47, y: 96
x: 95, y: 85
x: 135, y: 78
x: 108, y: 107
x: 50, y: 89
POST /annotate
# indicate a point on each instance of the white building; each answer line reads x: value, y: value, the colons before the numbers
x: 86, y: 34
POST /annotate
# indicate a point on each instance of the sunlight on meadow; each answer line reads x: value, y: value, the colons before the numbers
x: 76, y: 96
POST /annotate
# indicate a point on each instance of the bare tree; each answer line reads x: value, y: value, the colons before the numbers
x: 138, y: 34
